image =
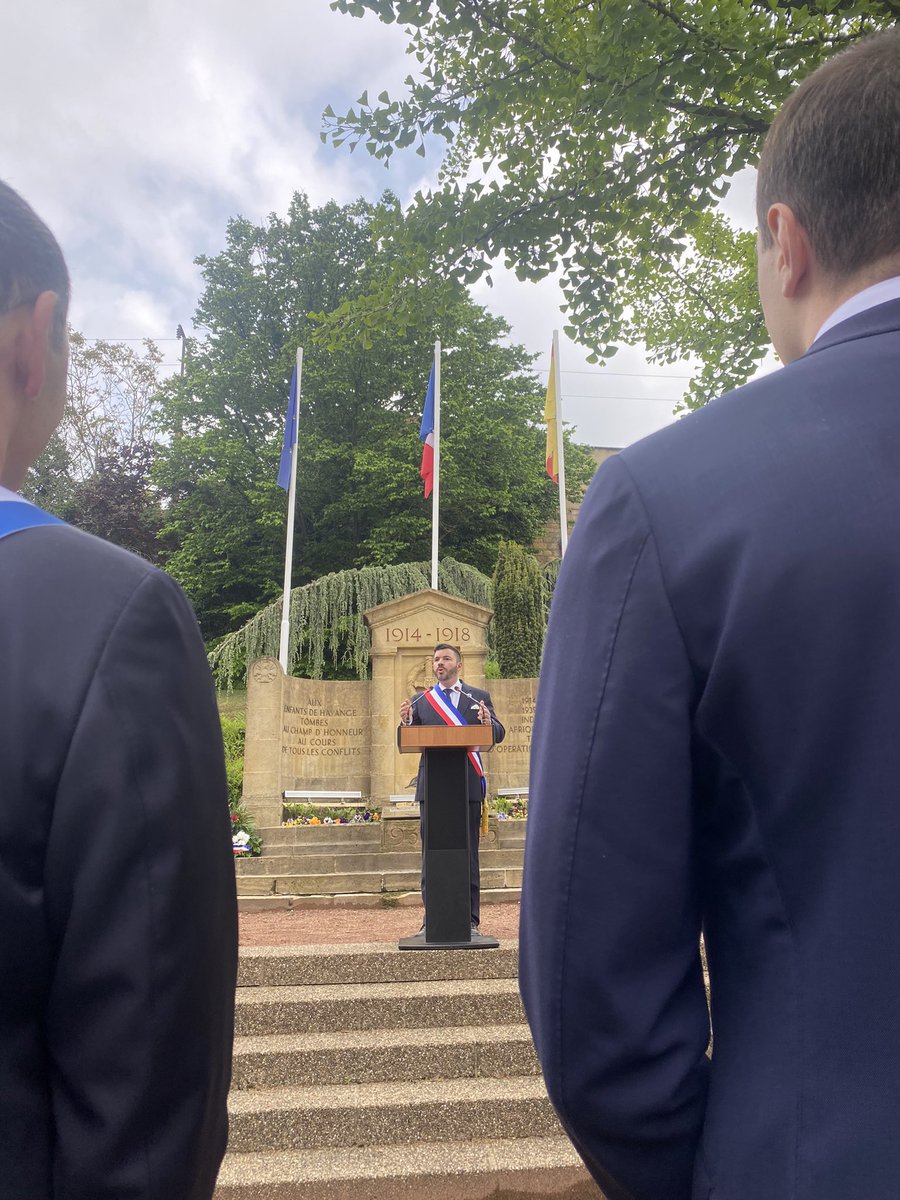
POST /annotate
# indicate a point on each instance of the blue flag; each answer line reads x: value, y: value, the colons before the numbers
x: 290, y: 436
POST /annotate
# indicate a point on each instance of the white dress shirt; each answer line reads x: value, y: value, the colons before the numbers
x: 878, y: 293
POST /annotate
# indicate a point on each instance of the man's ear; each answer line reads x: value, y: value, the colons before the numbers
x: 33, y: 343
x: 793, y: 254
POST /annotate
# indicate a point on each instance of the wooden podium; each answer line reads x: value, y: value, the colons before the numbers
x: 445, y: 836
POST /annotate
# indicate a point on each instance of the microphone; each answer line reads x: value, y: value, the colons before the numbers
x: 477, y: 703
x: 415, y: 700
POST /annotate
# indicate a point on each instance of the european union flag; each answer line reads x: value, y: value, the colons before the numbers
x: 290, y: 436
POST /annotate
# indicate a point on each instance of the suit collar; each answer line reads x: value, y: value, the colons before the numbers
x: 883, y: 318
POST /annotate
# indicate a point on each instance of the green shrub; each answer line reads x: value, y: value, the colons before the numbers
x: 518, y: 625
x: 233, y: 732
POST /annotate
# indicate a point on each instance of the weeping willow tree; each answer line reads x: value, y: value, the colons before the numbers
x: 327, y: 617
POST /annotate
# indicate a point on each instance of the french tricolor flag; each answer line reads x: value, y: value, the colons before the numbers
x: 426, y: 436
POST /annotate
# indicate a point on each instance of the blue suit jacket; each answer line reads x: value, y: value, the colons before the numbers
x: 717, y: 746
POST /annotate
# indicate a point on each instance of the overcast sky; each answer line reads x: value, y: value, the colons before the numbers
x: 136, y: 131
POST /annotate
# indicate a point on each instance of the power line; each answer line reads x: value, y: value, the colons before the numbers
x: 618, y: 374
x: 592, y: 396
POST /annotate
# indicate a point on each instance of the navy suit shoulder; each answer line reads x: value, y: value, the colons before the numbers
x: 728, y: 760
x: 117, y: 903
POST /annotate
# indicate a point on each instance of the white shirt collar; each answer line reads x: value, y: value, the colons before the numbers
x: 878, y: 293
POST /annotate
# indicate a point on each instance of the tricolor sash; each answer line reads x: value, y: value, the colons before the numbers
x: 448, y: 714
x: 16, y: 515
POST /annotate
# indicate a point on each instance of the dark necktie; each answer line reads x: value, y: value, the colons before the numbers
x: 448, y: 693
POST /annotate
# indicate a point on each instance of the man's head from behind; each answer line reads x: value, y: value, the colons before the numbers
x: 831, y: 166
x: 34, y: 297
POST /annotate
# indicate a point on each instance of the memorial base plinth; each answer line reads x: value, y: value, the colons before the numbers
x: 476, y: 941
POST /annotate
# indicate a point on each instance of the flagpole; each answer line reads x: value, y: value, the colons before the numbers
x: 289, y: 546
x: 563, y: 519
x: 435, y: 491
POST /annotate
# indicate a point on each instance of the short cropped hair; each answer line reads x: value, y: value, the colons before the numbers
x: 447, y: 646
x: 31, y: 261
x: 833, y: 156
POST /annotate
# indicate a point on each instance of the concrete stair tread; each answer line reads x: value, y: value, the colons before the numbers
x: 376, y: 1096
x: 368, y: 963
x: 453, y: 1159
x: 371, y: 993
x: 346, y: 1039
x: 341, y: 863
x: 289, y: 900
x: 363, y: 862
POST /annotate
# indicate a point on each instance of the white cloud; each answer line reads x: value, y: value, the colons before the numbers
x: 609, y: 406
x: 150, y: 125
x: 137, y: 130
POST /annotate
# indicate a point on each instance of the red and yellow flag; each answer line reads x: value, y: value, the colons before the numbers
x: 550, y: 418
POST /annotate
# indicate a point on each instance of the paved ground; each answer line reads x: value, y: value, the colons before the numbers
x: 334, y: 925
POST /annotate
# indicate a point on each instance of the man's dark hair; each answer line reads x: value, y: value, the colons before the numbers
x: 31, y: 261
x: 833, y: 155
x: 447, y: 646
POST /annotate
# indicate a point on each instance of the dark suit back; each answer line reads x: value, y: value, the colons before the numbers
x: 117, y: 908
x: 730, y: 609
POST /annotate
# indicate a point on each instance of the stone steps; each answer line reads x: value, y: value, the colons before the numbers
x: 424, y: 1004
x: 366, y: 882
x: 530, y: 1167
x: 366, y: 1072
x: 309, y: 836
x: 267, y: 902
x: 381, y: 1055
x: 379, y: 962
x: 372, y: 859
x: 371, y: 1114
x: 333, y: 861
x: 303, y: 863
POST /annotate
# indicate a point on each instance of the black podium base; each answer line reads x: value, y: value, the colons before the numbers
x: 476, y: 941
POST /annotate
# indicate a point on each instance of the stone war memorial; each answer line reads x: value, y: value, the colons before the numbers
x: 314, y: 735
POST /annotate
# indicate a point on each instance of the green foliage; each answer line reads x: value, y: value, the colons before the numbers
x: 359, y: 497
x: 593, y: 140
x: 119, y: 502
x: 294, y: 813
x: 518, y: 626
x: 49, y: 483
x: 327, y: 618
x: 233, y: 734
x: 515, y: 807
x: 96, y: 470
x: 242, y: 824
x: 549, y: 576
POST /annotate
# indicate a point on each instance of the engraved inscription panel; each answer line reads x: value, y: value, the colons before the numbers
x: 325, y: 736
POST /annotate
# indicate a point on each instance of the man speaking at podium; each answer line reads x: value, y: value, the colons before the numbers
x: 451, y: 702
